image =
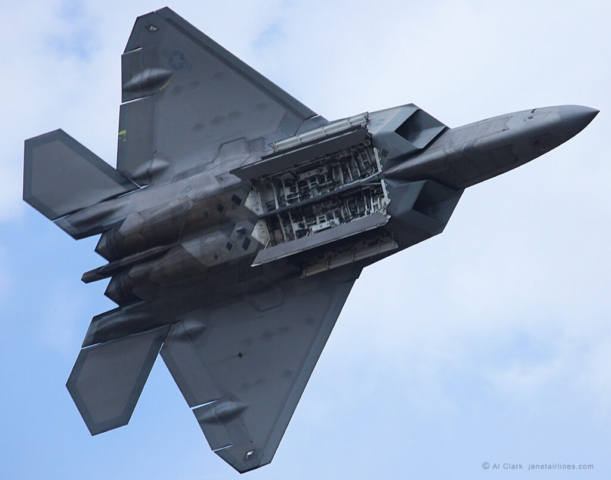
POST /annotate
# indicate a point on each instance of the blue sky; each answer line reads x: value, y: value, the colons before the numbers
x: 489, y: 343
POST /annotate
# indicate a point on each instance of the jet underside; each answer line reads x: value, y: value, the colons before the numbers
x: 237, y: 221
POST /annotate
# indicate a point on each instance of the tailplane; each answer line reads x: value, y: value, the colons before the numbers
x: 107, y: 379
x: 61, y: 176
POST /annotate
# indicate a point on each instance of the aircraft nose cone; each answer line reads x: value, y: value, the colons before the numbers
x: 575, y: 118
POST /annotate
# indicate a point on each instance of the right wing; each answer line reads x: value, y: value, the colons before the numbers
x: 243, y: 366
x: 185, y: 97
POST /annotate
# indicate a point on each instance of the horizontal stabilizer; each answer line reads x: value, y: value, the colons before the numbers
x: 108, y: 378
x: 61, y: 176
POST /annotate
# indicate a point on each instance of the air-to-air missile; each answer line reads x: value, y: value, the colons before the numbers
x: 237, y: 221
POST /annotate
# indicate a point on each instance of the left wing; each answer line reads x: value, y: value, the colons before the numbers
x: 243, y: 366
x: 185, y: 97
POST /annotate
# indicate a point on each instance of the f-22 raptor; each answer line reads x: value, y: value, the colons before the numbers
x: 237, y: 221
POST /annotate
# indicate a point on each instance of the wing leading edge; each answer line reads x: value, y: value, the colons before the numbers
x: 243, y: 366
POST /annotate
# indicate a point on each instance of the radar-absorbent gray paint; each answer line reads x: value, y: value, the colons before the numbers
x: 238, y: 220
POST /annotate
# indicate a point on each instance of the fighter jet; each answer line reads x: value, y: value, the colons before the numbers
x: 237, y: 221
